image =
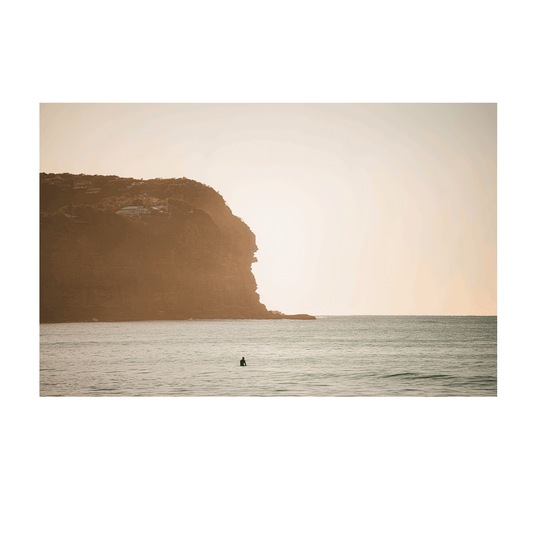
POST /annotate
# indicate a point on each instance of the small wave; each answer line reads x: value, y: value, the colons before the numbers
x: 401, y: 374
x: 418, y: 375
x: 483, y: 379
x: 436, y: 376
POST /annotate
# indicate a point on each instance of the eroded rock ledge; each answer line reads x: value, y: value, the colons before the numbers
x: 116, y: 249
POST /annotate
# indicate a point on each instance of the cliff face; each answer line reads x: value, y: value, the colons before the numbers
x: 184, y: 256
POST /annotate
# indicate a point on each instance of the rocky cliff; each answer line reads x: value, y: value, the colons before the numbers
x: 117, y: 249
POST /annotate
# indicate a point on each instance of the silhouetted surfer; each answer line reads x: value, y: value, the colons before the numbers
x: 243, y: 362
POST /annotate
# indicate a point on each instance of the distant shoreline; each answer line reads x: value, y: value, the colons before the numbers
x: 95, y: 321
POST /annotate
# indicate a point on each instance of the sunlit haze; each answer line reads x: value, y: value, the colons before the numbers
x: 357, y: 208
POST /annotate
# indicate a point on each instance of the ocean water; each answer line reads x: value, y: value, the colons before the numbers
x: 330, y: 356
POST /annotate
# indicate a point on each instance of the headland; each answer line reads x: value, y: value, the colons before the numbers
x: 120, y: 249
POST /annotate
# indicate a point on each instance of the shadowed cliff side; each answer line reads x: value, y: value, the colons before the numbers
x: 122, y: 249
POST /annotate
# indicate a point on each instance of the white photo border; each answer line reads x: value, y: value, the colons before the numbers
x: 30, y: 96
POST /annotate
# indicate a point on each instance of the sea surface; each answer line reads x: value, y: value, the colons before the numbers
x: 330, y: 356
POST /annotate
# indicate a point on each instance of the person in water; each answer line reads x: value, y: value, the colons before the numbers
x: 243, y: 362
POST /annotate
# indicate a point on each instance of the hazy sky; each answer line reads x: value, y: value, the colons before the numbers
x: 357, y: 208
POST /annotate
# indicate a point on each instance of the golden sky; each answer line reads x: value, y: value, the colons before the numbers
x: 357, y: 208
